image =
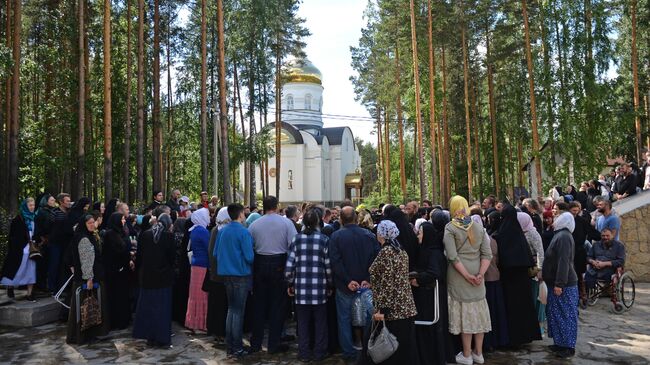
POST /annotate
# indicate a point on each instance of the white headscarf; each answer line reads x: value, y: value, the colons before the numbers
x: 418, y: 223
x: 565, y: 220
x: 223, y: 218
x: 200, y: 218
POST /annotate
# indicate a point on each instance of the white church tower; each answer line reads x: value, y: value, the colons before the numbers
x: 319, y: 165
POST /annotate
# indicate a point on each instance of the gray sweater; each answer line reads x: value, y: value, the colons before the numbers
x: 558, y: 270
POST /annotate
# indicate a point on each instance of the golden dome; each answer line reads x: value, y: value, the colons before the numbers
x: 301, y: 70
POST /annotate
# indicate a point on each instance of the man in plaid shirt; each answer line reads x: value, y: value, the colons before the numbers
x: 309, y: 276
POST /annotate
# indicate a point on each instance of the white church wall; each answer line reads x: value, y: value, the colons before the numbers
x: 291, y: 174
x: 313, y: 173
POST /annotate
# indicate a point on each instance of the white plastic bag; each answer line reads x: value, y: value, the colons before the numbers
x: 543, y: 293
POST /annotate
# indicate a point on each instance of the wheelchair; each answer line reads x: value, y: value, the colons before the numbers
x: 620, y: 289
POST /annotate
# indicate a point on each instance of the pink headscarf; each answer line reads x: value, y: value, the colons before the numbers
x: 525, y: 221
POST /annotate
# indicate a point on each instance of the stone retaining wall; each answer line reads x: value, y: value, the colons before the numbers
x: 635, y: 234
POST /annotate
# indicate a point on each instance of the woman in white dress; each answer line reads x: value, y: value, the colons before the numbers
x: 18, y: 269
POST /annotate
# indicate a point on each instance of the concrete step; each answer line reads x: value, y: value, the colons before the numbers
x: 21, y: 313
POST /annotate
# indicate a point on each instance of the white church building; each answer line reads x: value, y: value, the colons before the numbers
x: 318, y: 165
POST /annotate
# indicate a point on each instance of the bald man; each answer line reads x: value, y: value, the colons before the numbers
x: 352, y: 251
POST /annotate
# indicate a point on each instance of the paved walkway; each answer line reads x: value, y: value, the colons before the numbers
x: 604, y: 338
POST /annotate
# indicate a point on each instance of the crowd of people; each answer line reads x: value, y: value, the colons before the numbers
x: 448, y: 282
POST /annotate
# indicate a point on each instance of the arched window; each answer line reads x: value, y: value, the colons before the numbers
x: 289, y: 102
x: 308, y: 101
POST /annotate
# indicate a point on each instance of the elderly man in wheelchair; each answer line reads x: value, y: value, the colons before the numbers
x: 605, y: 274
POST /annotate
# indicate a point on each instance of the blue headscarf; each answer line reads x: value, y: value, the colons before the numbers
x: 27, y: 215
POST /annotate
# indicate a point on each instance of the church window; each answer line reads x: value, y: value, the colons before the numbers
x: 289, y: 102
x: 308, y: 101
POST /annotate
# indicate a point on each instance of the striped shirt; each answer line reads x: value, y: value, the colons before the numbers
x: 308, y: 268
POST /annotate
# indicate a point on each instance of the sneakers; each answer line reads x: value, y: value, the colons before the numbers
x: 478, y: 359
x: 461, y: 359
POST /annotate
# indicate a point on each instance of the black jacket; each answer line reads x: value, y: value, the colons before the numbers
x: 18, y: 238
x: 558, y: 261
x: 352, y: 250
x: 155, y: 260
x: 582, y: 232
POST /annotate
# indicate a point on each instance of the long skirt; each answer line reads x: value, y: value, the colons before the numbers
x: 562, y: 316
x: 153, y: 317
x: 431, y: 340
x: 217, y: 309
x: 522, y: 317
x: 181, y: 293
x: 119, y: 302
x: 498, y: 337
x: 75, y: 334
x: 26, y: 274
x: 197, y: 304
x: 472, y: 317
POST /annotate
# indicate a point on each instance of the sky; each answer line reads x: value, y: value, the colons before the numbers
x: 335, y: 25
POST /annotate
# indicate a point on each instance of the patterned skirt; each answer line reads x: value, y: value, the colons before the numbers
x: 473, y: 317
x: 197, y: 304
x: 562, y: 317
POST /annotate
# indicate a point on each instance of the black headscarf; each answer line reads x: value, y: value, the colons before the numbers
x: 77, y: 210
x: 82, y: 232
x: 388, y: 209
x: 513, y: 246
x: 407, y: 238
x: 114, y: 223
x: 163, y: 225
x: 439, y: 220
x: 108, y: 212
x: 493, y: 222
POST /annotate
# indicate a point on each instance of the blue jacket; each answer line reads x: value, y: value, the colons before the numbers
x: 199, y: 240
x: 234, y: 251
x: 352, y: 250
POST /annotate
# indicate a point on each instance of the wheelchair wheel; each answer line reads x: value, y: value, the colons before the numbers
x: 626, y: 290
x: 592, y: 297
x: 618, y: 308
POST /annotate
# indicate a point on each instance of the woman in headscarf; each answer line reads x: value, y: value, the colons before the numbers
x: 537, y: 250
x: 434, y: 342
x: 217, y: 303
x: 116, y: 252
x: 514, y: 261
x: 407, y: 238
x: 498, y: 337
x: 469, y: 255
x: 43, y: 225
x: 155, y: 268
x: 392, y: 295
x: 182, y: 269
x: 562, y: 281
x: 108, y: 211
x: 18, y: 269
x: 197, y: 304
x: 85, y: 254
x: 78, y: 210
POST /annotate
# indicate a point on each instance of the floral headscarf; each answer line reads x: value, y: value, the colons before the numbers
x: 389, y: 231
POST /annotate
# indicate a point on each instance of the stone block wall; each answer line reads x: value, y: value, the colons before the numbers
x: 635, y: 234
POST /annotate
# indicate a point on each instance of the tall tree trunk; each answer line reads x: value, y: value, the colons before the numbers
x: 126, y: 169
x: 167, y: 176
x: 5, y: 147
x: 15, y: 116
x: 108, y: 134
x: 387, y: 153
x: 278, y: 121
x: 380, y: 159
x: 204, y: 98
x: 533, y: 110
x: 238, y: 105
x: 418, y: 114
x: 476, y: 127
x: 548, y: 94
x: 252, y: 194
x: 157, y: 125
x: 493, y: 118
x: 433, y: 125
x: 139, y: 194
x: 445, y: 121
x: 635, y: 79
x: 223, y: 116
x: 81, y: 138
x: 468, y: 130
x: 400, y: 125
